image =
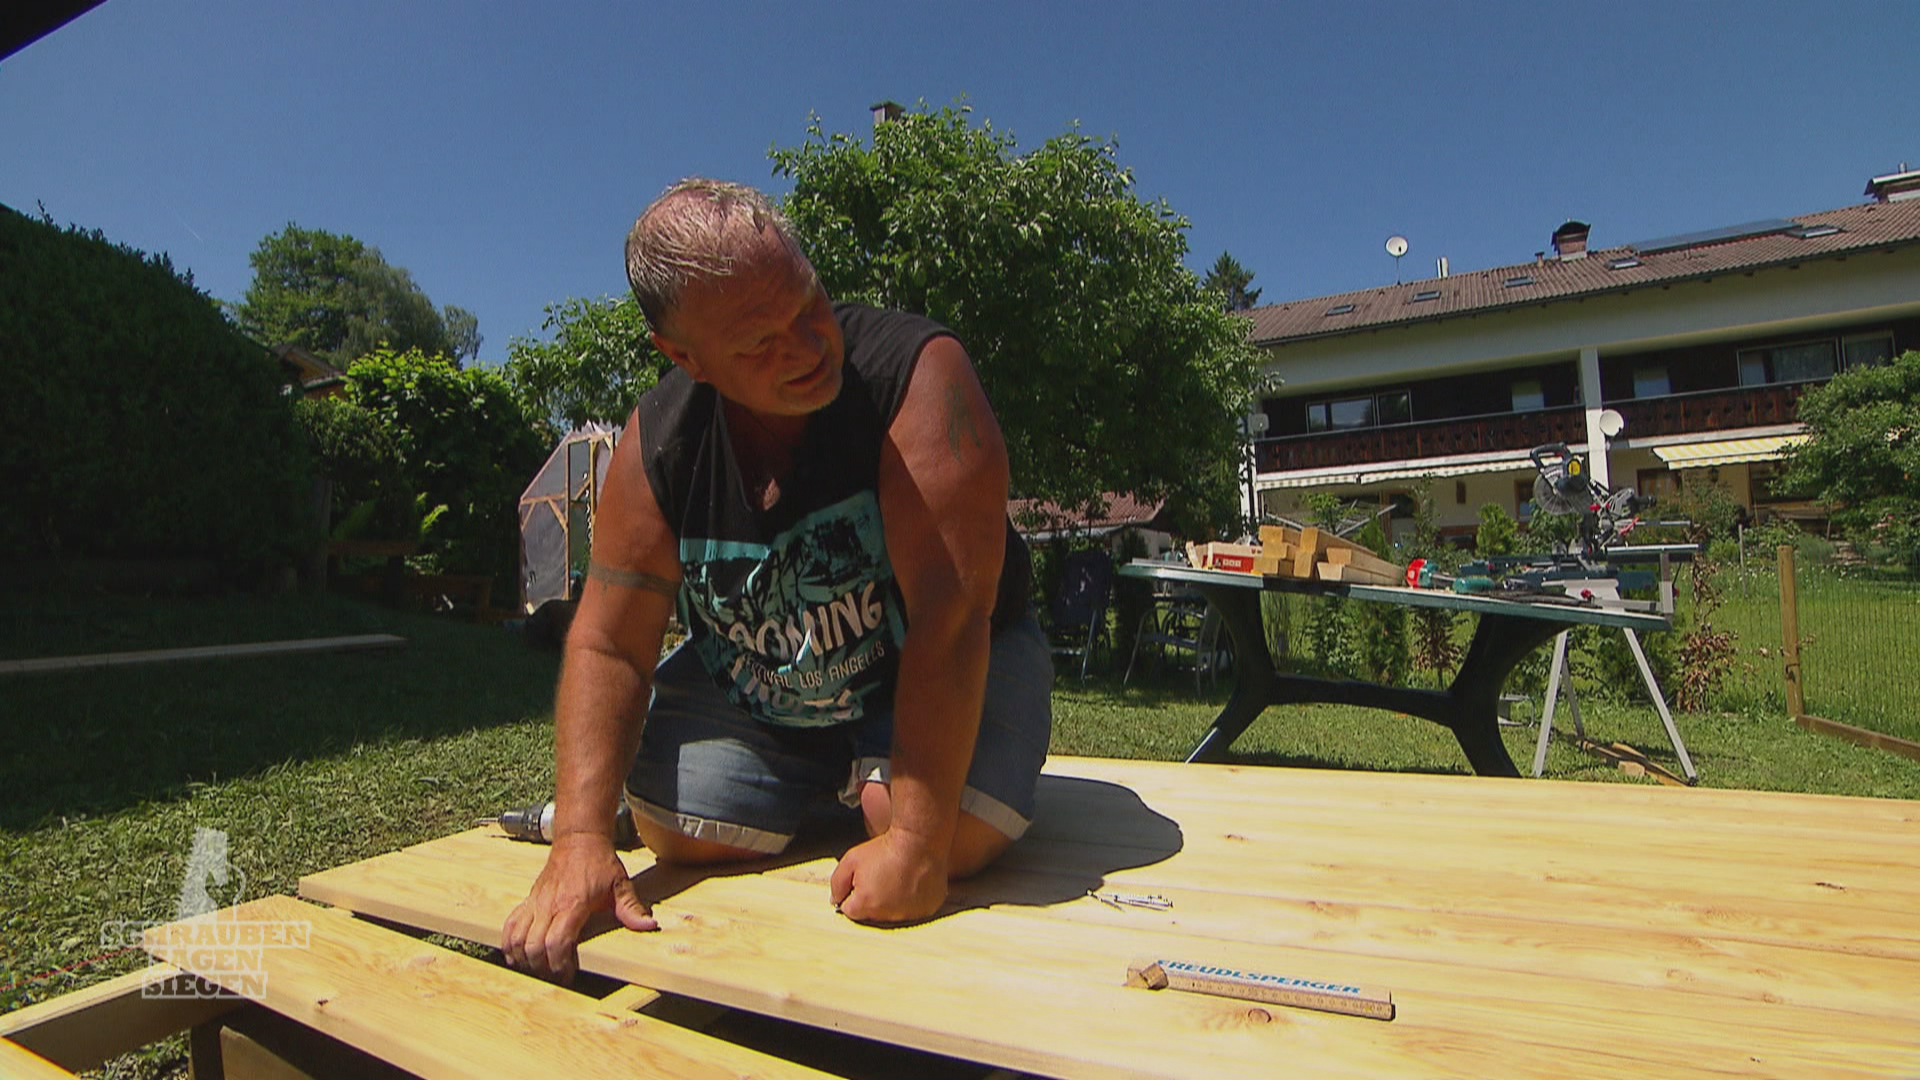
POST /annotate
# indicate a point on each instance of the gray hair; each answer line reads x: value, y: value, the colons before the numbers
x: 696, y: 231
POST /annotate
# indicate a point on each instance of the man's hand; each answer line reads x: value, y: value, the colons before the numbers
x: 891, y: 878
x: 582, y: 878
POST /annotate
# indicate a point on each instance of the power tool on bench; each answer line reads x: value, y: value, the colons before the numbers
x: 1563, y: 488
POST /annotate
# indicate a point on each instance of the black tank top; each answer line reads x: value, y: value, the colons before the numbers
x: 794, y: 610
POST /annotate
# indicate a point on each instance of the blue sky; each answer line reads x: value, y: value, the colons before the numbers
x: 500, y: 150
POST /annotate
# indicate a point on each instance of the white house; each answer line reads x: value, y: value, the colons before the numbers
x: 1700, y: 343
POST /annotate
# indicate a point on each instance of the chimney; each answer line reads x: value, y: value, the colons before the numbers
x: 1570, y: 240
x: 1904, y: 183
x: 884, y: 111
x: 1442, y: 267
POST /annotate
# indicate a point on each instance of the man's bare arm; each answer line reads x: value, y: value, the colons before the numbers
x: 943, y: 497
x: 605, y: 676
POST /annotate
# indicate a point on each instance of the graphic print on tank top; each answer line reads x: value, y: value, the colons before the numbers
x: 804, y: 631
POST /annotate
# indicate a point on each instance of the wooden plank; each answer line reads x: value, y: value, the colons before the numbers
x: 19, y: 1063
x: 746, y: 941
x: 1278, y: 535
x: 1859, y: 736
x: 1306, y: 553
x: 1514, y: 946
x: 1364, y: 558
x: 207, y: 652
x: 1352, y: 573
x: 435, y: 1012
x: 85, y: 1028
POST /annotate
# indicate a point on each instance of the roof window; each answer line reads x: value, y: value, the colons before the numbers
x: 1423, y: 296
x: 1713, y: 236
x: 1339, y: 309
x: 1625, y: 262
x: 1519, y: 280
x: 1809, y: 232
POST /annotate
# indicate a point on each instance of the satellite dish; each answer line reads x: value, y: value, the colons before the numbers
x: 1611, y: 423
x: 1396, y: 246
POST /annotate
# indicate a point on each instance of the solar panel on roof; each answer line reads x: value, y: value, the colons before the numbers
x: 1713, y: 236
x: 1809, y: 232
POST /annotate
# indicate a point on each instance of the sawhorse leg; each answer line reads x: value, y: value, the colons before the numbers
x: 1660, y: 703
x: 1559, y: 672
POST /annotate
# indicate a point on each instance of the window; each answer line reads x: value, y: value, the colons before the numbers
x: 1523, y: 507
x: 1423, y: 296
x: 1867, y: 350
x: 1651, y: 382
x: 1659, y: 483
x: 1760, y: 478
x: 1346, y: 414
x: 1519, y: 280
x: 1396, y: 407
x: 1626, y: 262
x: 1339, y: 309
x: 1802, y: 361
x: 1528, y: 395
x: 1403, y: 506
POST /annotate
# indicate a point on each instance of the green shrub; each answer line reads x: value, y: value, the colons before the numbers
x: 465, y: 448
x: 139, y: 422
x: 1497, y: 534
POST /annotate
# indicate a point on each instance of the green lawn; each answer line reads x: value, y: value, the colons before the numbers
x: 309, y: 762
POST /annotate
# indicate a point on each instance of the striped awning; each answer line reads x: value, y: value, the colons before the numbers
x: 1701, y: 455
x: 1398, y: 470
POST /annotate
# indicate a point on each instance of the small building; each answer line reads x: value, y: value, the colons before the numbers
x: 315, y: 377
x: 1692, y: 350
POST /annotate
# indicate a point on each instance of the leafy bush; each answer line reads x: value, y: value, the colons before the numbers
x: 139, y: 422
x: 463, y: 446
x: 1497, y: 535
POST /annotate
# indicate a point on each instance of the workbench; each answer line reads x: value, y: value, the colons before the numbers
x: 1506, y: 632
x: 1525, y: 928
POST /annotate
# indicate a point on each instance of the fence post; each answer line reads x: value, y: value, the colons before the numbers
x: 1790, y: 633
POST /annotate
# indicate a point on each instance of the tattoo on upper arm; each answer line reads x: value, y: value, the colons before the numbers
x: 962, y: 425
x: 631, y: 579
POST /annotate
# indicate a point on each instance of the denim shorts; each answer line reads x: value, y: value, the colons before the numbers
x: 711, y: 772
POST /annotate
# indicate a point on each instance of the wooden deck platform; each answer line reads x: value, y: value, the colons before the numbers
x: 1524, y: 928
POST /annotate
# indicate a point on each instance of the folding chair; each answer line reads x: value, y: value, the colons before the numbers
x: 1077, y: 611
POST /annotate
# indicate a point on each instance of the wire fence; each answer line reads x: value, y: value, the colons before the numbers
x: 1859, y: 627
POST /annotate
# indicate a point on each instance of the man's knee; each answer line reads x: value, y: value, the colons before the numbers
x: 678, y: 849
x: 975, y: 843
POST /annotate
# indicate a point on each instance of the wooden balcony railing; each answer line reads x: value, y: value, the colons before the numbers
x: 1712, y: 410
x: 1678, y: 414
x: 1437, y: 438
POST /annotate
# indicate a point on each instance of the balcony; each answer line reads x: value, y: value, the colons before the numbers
x: 1712, y: 410
x: 1678, y: 414
x: 1433, y: 438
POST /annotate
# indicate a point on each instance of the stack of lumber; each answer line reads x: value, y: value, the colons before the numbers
x: 1307, y: 554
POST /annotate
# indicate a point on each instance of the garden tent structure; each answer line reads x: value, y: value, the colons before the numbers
x: 556, y: 513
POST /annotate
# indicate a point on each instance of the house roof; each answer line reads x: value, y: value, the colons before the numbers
x: 1041, y: 520
x: 1603, y: 270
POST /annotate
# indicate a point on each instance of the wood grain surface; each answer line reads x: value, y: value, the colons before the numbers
x: 1526, y: 928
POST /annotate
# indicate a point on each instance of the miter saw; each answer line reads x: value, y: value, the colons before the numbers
x: 1586, y: 569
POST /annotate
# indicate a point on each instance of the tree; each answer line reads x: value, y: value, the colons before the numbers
x: 138, y: 422
x: 340, y: 299
x: 1230, y: 280
x: 461, y: 445
x: 1862, y: 455
x: 598, y: 361
x: 1109, y: 367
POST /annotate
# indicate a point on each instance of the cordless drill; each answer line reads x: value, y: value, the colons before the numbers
x: 535, y: 823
